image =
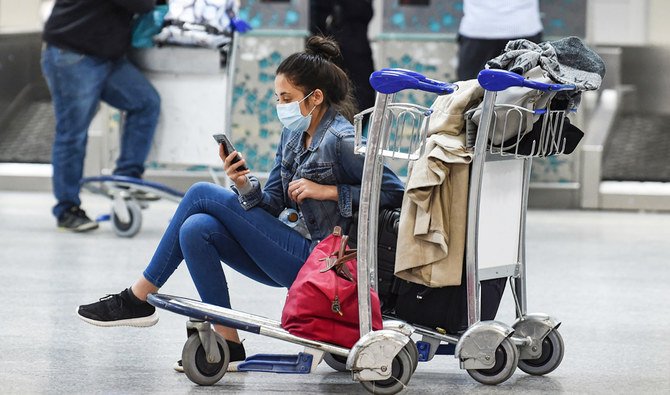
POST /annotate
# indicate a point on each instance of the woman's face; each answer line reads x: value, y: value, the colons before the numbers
x: 285, y: 92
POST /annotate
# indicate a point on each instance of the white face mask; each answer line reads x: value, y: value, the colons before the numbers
x: 290, y: 116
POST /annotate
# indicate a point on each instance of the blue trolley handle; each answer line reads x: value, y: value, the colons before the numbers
x: 390, y: 81
x: 499, y: 80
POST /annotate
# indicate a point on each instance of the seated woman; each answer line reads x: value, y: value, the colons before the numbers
x: 315, y: 172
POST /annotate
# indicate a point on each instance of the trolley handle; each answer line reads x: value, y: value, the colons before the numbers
x: 394, y: 80
x: 499, y: 80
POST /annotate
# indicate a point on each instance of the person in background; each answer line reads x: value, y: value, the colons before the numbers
x: 488, y: 25
x: 315, y: 172
x: 347, y: 22
x: 84, y: 61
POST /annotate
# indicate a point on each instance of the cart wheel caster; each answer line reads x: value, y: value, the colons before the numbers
x: 134, y: 223
x: 507, y: 359
x: 552, y: 355
x: 194, y: 361
x: 336, y: 362
x: 413, y: 353
x: 401, y: 371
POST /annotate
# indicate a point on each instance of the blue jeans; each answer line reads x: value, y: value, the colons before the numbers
x: 211, y: 226
x: 77, y: 83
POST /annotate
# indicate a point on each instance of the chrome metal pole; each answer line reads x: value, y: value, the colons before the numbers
x: 520, y: 283
x: 474, y: 198
x: 368, y: 210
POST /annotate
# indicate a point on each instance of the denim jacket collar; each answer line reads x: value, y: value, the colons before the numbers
x: 295, y: 142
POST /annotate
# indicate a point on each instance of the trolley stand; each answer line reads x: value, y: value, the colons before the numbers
x: 126, y: 211
x: 384, y: 360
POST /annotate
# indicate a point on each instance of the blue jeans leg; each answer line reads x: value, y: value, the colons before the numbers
x: 127, y: 89
x: 76, y: 82
x: 211, y: 226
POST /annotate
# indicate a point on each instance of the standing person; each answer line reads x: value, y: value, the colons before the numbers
x: 84, y: 61
x: 315, y: 172
x: 347, y: 22
x: 488, y: 25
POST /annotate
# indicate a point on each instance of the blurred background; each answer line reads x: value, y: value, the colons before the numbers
x: 620, y: 164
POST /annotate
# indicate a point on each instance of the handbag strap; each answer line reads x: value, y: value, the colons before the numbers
x: 337, y: 261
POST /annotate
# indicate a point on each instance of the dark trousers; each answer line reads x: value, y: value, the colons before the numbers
x: 473, y: 53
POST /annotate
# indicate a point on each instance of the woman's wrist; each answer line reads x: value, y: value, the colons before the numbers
x: 244, y: 186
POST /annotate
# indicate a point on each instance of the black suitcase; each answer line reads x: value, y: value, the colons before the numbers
x: 446, y: 307
x: 387, y: 239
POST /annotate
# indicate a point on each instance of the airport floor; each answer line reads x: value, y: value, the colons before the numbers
x: 605, y: 275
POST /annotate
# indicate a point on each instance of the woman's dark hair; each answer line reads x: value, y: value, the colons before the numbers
x: 314, y: 68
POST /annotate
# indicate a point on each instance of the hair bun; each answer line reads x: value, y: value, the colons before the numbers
x: 323, y: 47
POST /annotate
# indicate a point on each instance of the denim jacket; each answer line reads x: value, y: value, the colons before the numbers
x: 329, y: 160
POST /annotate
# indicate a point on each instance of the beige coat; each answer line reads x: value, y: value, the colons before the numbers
x: 433, y: 220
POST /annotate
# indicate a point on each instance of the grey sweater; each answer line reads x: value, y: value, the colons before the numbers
x: 567, y: 61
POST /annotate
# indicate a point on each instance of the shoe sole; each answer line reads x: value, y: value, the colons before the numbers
x: 134, y: 322
x: 82, y: 228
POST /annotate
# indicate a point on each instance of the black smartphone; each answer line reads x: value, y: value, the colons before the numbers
x: 228, y: 148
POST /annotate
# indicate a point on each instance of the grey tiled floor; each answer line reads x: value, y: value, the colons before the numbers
x: 604, y: 274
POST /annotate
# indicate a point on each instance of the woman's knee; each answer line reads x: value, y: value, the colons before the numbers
x: 208, y: 190
x: 198, y: 228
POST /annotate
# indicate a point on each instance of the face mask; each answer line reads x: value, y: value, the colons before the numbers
x: 290, y: 116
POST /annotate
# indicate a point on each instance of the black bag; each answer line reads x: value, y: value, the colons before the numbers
x: 446, y: 307
x: 387, y: 239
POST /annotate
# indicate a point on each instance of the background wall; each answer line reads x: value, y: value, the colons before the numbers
x: 20, y: 16
x: 419, y: 37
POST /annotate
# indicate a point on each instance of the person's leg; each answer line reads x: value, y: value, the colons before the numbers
x: 128, y: 90
x: 76, y: 82
x: 278, y: 261
x: 282, y: 255
x: 205, y: 242
x: 473, y: 53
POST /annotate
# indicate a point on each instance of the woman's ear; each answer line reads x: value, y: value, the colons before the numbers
x: 317, y: 97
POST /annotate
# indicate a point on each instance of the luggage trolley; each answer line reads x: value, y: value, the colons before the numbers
x: 490, y: 351
x: 384, y: 360
x: 126, y: 192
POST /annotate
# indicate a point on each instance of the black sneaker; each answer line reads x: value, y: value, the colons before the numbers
x: 76, y: 220
x: 237, y: 354
x: 122, y: 309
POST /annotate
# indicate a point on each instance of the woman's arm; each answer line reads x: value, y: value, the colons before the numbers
x: 392, y: 189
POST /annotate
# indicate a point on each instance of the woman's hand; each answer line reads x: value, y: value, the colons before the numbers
x: 239, y: 177
x: 301, y: 189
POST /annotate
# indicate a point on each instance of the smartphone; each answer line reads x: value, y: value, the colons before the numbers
x: 228, y: 148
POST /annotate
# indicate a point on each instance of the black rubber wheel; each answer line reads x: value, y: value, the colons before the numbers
x: 506, y: 360
x: 552, y: 355
x: 196, y: 366
x: 132, y: 227
x: 336, y: 362
x: 401, y: 371
x: 413, y: 352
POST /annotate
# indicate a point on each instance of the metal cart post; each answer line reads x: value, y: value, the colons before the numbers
x: 491, y: 350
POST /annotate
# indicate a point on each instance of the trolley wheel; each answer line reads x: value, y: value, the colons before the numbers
x: 194, y: 361
x: 507, y: 358
x: 413, y: 352
x: 401, y: 371
x: 336, y: 362
x: 130, y: 228
x: 552, y: 355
